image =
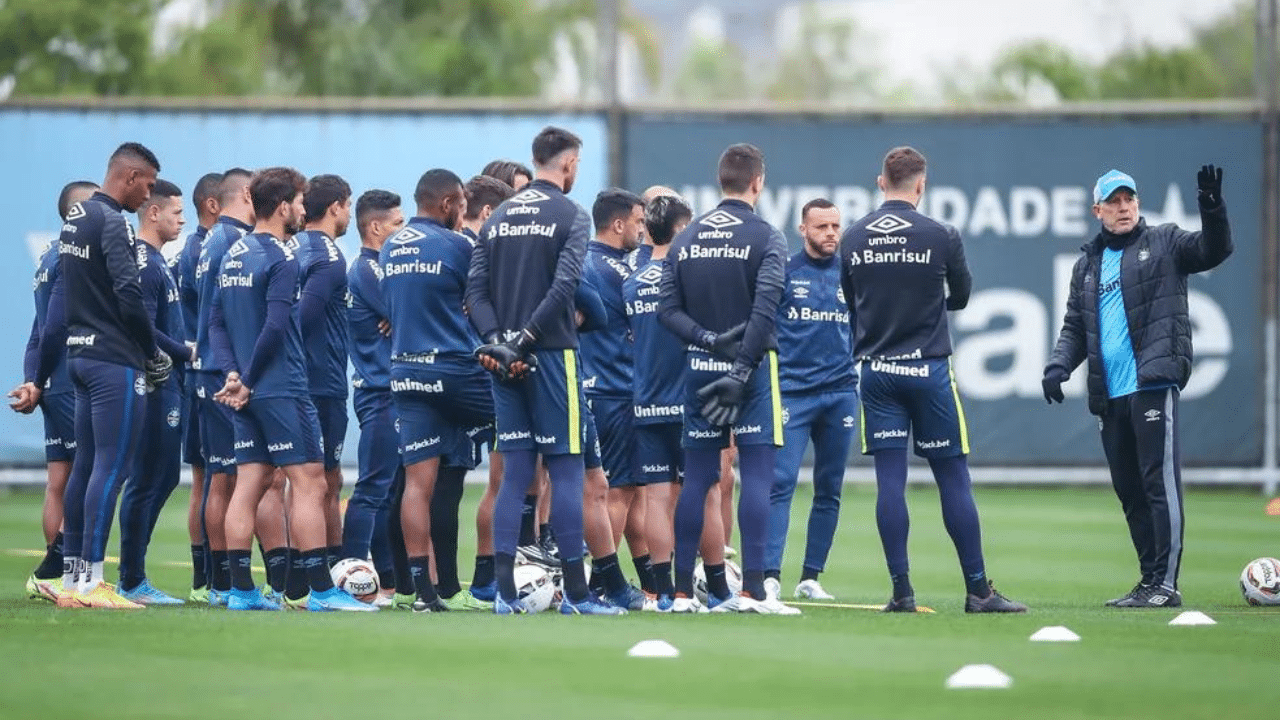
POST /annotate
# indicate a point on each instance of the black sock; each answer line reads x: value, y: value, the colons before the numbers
x: 199, y: 567
x: 404, y: 577
x: 545, y: 534
x: 241, y: 575
x: 977, y: 584
x: 717, y: 583
x: 808, y: 573
x: 221, y: 571
x: 595, y: 581
x: 684, y: 582
x: 575, y: 578
x: 315, y: 564
x: 295, y: 581
x: 484, y: 571
x: 644, y: 572
x: 421, y: 569
x: 333, y: 554
x: 528, y: 520
x: 444, y: 529
x: 277, y: 562
x: 902, y: 586
x: 504, y: 567
x: 753, y: 583
x: 51, y: 566
x: 610, y: 573
x: 775, y: 574
x: 661, y: 574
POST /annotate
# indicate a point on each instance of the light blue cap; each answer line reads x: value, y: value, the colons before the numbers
x: 1111, y: 182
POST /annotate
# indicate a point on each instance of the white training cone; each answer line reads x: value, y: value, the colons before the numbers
x: 979, y: 676
x: 1054, y: 633
x: 1193, y: 617
x: 653, y: 648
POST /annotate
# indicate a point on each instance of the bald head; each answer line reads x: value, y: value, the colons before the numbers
x: 654, y: 191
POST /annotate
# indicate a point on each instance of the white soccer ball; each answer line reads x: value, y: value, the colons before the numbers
x: 732, y: 574
x: 357, y: 577
x: 535, y: 586
x: 1260, y: 582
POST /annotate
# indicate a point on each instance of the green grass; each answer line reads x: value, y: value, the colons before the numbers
x: 1063, y: 551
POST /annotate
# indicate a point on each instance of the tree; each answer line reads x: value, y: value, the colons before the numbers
x: 826, y: 63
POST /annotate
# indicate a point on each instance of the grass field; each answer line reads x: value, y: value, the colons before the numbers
x: 1063, y: 551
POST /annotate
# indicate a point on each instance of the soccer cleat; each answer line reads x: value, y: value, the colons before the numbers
x: 729, y: 552
x: 994, y: 602
x: 536, y: 554
x: 249, y: 600
x: 486, y: 593
x: 742, y: 603
x: 218, y: 598
x: 336, y: 600
x: 199, y: 595
x: 631, y: 598
x: 148, y: 594
x: 590, y: 606
x: 901, y: 605
x: 513, y: 607
x: 1152, y: 596
x: 403, y: 601
x: 1127, y: 597
x: 103, y: 597
x: 273, y: 595
x: 686, y: 605
x: 384, y: 601
x: 433, y: 606
x: 664, y: 604
x: 771, y: 606
x: 44, y: 588
x: 812, y: 590
x: 300, y: 604
x: 464, y: 601
x: 773, y: 588
x: 70, y: 600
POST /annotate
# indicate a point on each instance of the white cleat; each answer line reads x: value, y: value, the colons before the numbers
x: 729, y: 552
x: 772, y: 606
x: 812, y: 590
x: 741, y: 603
x: 772, y: 589
x: 687, y: 606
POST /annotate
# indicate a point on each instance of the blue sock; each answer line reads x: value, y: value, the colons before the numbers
x: 701, y: 471
x: 960, y: 515
x: 892, y: 517
x: 517, y: 475
x: 567, y: 476
x: 757, y: 465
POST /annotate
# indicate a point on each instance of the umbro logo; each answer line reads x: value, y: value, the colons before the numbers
x: 720, y: 220
x: 530, y: 196
x: 848, y: 421
x: 407, y: 235
x: 651, y: 275
x: 238, y: 249
x: 76, y: 212
x: 1152, y: 415
x: 888, y: 223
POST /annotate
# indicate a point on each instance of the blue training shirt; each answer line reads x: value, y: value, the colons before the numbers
x: 424, y: 279
x: 659, y: 355
x: 221, y: 236
x: 160, y: 297
x: 607, y: 352
x: 184, y: 272
x: 815, y: 340
x: 46, y: 279
x: 322, y: 311
x: 1113, y: 325
x: 369, y: 349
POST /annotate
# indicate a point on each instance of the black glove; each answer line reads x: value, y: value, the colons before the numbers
x: 508, y: 353
x: 1209, y: 183
x: 157, y: 369
x: 722, y: 399
x: 726, y: 344
x: 1052, y: 384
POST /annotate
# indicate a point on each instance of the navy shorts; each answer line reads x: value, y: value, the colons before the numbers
x: 441, y: 413
x: 59, y: 413
x: 760, y: 420
x: 659, y: 457
x: 278, y: 431
x: 191, y: 453
x: 613, y: 421
x: 217, y: 428
x: 332, y: 412
x: 591, y: 449
x: 545, y: 411
x: 915, y: 397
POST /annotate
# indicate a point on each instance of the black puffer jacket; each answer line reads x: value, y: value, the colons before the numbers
x: 1153, y: 280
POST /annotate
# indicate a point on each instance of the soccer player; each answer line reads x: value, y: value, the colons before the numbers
x: 721, y: 283
x: 56, y: 400
x: 896, y: 268
x: 520, y: 294
x: 217, y: 440
x: 365, y: 528
x: 113, y: 360
x: 158, y: 462
x: 819, y: 396
x: 514, y: 174
x: 205, y: 200
x: 253, y: 331
x: 440, y: 393
x: 322, y: 310
x: 1127, y: 316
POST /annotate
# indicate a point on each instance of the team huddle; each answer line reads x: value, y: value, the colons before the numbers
x: 614, y: 364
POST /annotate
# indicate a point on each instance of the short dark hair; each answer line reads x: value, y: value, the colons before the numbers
x: 434, y: 185
x: 611, y: 204
x: 740, y: 165
x: 206, y: 187
x: 323, y: 191
x: 232, y: 182
x: 483, y: 190
x: 135, y: 151
x: 551, y: 142
x: 374, y: 203
x: 661, y: 216
x: 272, y: 186
x: 163, y: 191
x: 64, y: 197
x: 506, y: 171
x: 816, y: 203
x: 902, y: 165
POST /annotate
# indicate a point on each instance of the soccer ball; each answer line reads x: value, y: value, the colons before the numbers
x: 357, y: 577
x: 1260, y: 582
x: 535, y: 586
x: 732, y: 574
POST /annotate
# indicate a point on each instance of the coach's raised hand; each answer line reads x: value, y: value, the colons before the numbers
x: 1209, y: 185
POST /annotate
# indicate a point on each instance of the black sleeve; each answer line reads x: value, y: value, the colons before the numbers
x: 1199, y: 251
x: 559, y: 296
x: 1071, y: 347
x: 671, y: 307
x: 53, y: 341
x: 479, y: 304
x: 771, y: 278
x: 587, y: 301
x: 31, y: 356
x: 219, y: 340
x: 122, y: 267
x: 155, y: 292
x: 959, y: 282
